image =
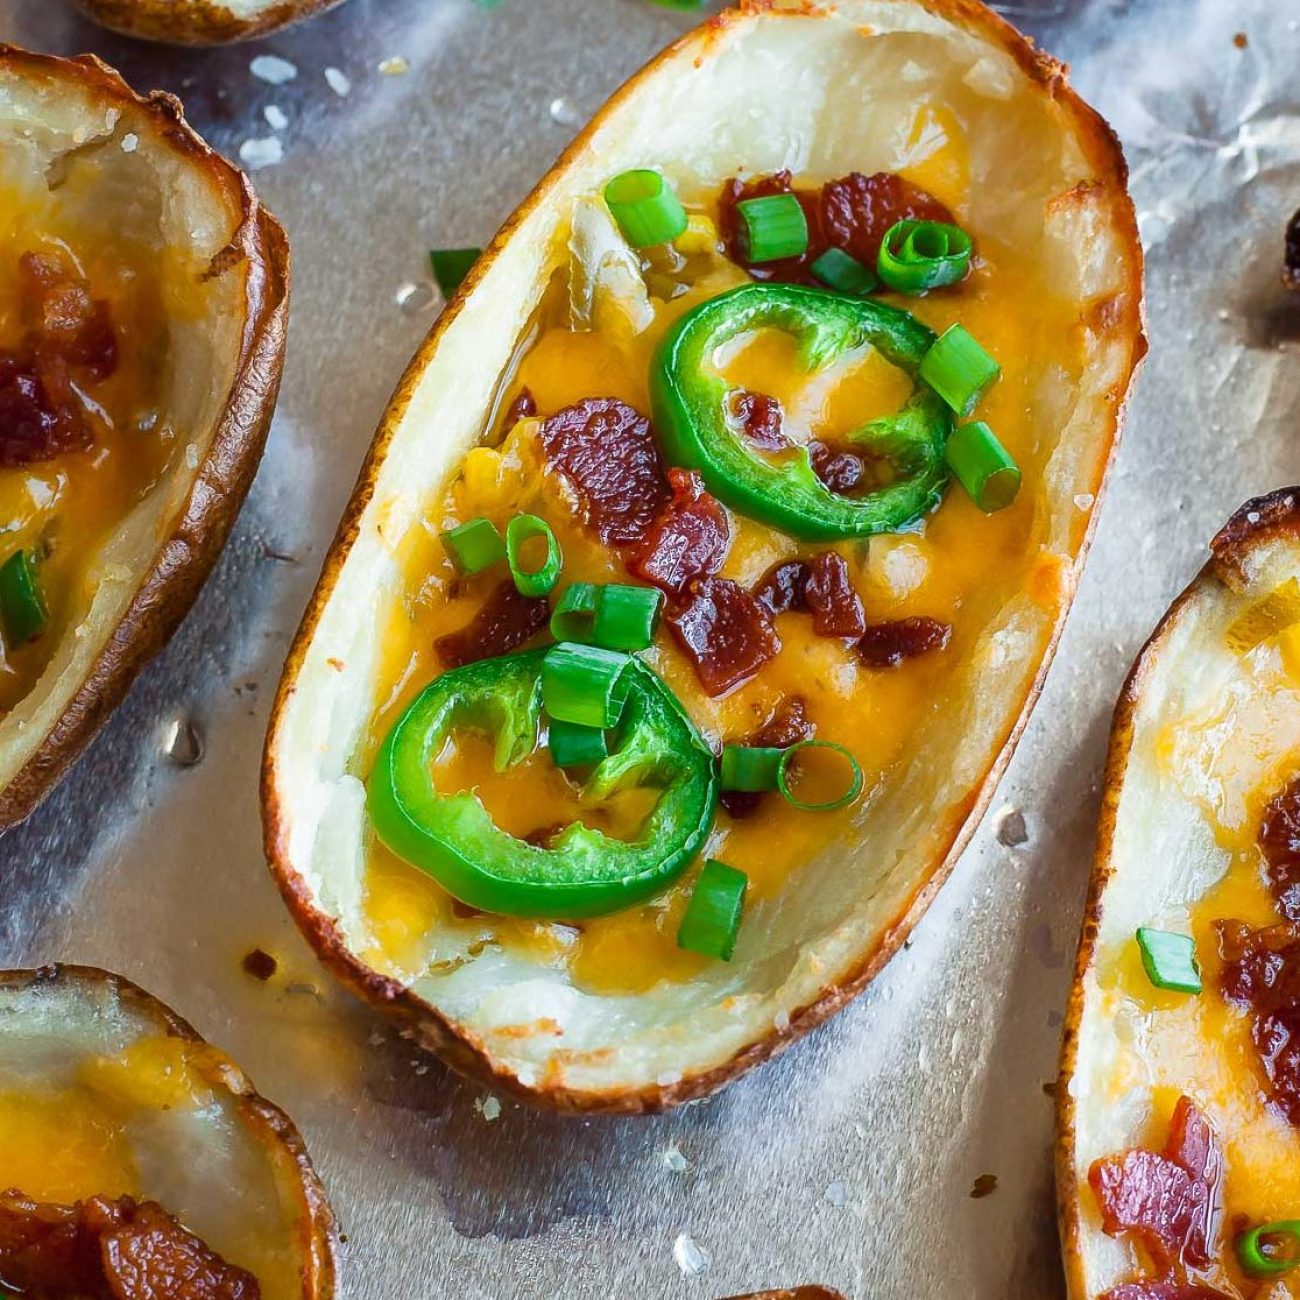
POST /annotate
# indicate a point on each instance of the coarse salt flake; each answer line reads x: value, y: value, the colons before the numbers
x: 273, y: 70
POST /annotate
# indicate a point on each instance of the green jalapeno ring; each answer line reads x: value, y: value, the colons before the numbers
x: 688, y: 401
x: 584, y: 872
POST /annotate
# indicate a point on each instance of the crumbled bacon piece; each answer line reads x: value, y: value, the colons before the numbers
x: 61, y: 317
x: 688, y: 540
x: 1170, y: 1200
x: 110, y: 1250
x: 828, y: 592
x: 781, y: 588
x: 1261, y: 972
x: 787, y: 725
x: 839, y: 470
x: 607, y: 451
x: 886, y: 645
x: 503, y: 623
x: 725, y: 632
x: 858, y: 210
x: 852, y: 213
x: 524, y: 407
x: 1279, y: 838
x: 761, y: 419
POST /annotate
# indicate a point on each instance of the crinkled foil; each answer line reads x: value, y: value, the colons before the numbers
x: 852, y: 1160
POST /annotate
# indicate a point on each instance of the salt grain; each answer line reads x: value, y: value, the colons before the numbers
x: 274, y: 71
x: 488, y: 1107
x: 562, y: 112
x: 690, y: 1255
x: 338, y: 81
x: 263, y: 152
x: 836, y: 1194
x: 674, y: 1160
x: 130, y: 142
x: 276, y: 118
x: 1084, y: 500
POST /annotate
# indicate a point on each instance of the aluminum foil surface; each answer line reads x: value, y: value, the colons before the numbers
x: 904, y: 1150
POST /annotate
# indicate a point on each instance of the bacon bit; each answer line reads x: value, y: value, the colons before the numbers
x: 1170, y: 1200
x: 839, y: 470
x: 1291, y: 254
x: 781, y: 588
x: 787, y: 725
x: 857, y: 211
x: 836, y: 608
x: 761, y: 418
x: 1163, y: 1291
x: 607, y: 452
x: 687, y: 542
x: 1279, y: 838
x: 886, y: 645
x: 725, y: 633
x: 504, y: 622
x: 1261, y: 972
x: 524, y: 407
x: 259, y: 964
x: 106, y: 1250
x: 852, y: 213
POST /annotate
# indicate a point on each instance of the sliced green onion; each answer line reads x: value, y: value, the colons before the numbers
x: 916, y: 256
x: 1271, y: 1248
x: 1170, y: 960
x: 474, y: 546
x: 627, y: 617
x: 771, y: 227
x: 843, y: 273
x: 750, y: 767
x: 451, y: 266
x: 583, y: 684
x: 22, y: 603
x: 646, y: 208
x: 573, y: 745
x: 983, y: 466
x: 532, y: 582
x: 712, y: 917
x: 958, y: 369
x: 851, y: 792
x: 574, y: 617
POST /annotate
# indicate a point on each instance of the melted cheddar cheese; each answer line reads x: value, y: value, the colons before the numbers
x: 958, y: 565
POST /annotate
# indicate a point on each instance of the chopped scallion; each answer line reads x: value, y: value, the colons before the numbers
x: 627, y: 617
x: 474, y: 546
x: 852, y: 789
x: 646, y: 208
x: 537, y: 581
x: 771, y: 227
x: 983, y: 466
x: 1270, y: 1249
x: 574, y: 616
x: 712, y: 917
x: 1170, y: 960
x: 845, y: 274
x: 451, y: 266
x: 750, y: 767
x: 573, y: 745
x: 958, y: 369
x: 917, y: 256
x: 23, y: 610
x: 583, y: 684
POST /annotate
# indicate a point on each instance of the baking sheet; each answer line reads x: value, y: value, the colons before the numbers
x: 852, y: 1160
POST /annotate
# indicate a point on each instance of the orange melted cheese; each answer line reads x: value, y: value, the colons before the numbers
x: 958, y: 565
x: 64, y: 507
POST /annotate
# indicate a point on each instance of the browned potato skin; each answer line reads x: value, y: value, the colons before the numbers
x: 273, y: 1127
x: 220, y: 482
x: 1260, y: 520
x: 196, y: 22
x: 794, y: 1293
x: 426, y: 1024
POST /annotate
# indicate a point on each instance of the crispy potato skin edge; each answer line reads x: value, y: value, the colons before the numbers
x: 274, y: 1128
x: 196, y: 22
x: 462, y: 1051
x: 1260, y: 520
x: 220, y: 482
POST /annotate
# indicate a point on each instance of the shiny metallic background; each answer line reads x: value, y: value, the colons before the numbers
x: 851, y: 1161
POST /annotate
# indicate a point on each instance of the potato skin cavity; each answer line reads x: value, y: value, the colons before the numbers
x: 520, y: 1024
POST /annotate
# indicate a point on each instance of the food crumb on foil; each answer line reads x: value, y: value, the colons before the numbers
x: 985, y: 1185
x: 1291, y: 254
x: 394, y: 66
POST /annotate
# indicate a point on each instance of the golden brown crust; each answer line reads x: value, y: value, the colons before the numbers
x: 197, y: 22
x: 794, y: 1293
x: 277, y: 1130
x: 1258, y: 522
x: 221, y: 480
x: 427, y: 1024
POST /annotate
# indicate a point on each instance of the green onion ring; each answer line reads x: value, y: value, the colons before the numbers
x: 828, y: 805
x: 537, y: 582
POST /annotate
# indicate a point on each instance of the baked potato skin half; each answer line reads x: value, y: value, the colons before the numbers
x: 1261, y: 524
x: 193, y: 529
x: 316, y: 1234
x: 1120, y: 318
x: 200, y: 22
